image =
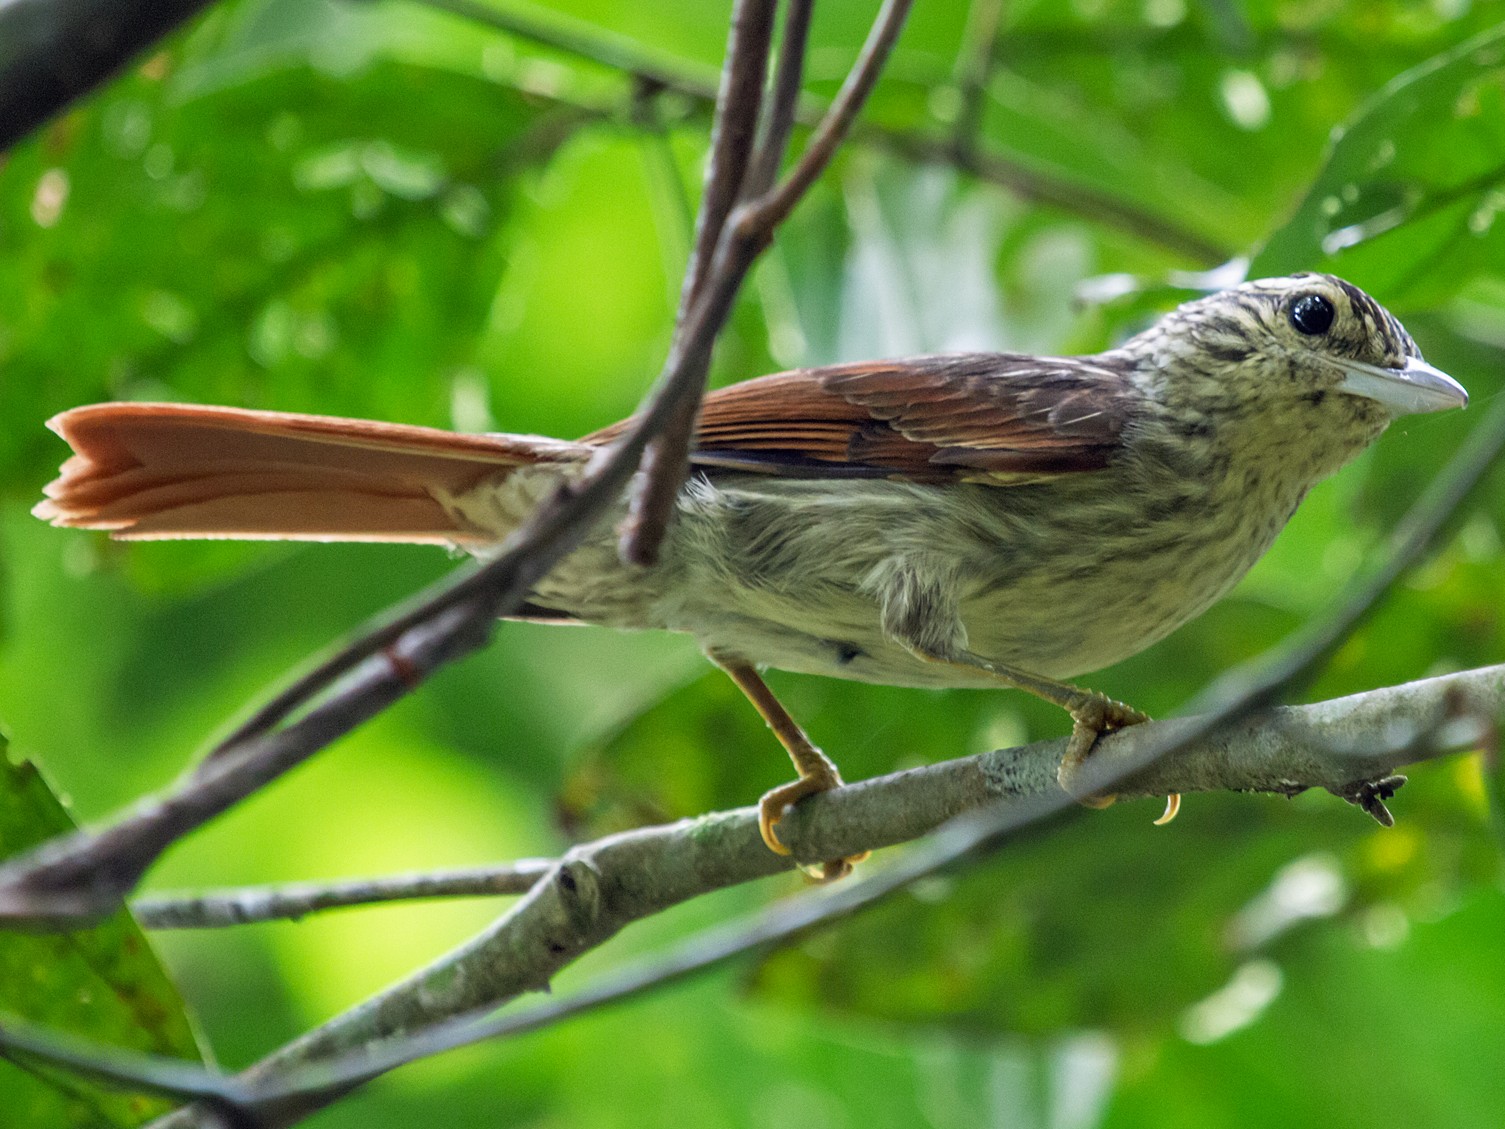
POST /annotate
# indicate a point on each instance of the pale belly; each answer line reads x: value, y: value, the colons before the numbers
x: 798, y: 575
x: 1088, y: 589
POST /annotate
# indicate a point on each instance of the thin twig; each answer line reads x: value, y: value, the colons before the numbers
x: 246, y: 904
x: 747, y: 233
x: 738, y: 106
x: 985, y: 20
x: 771, y: 209
x: 783, y: 106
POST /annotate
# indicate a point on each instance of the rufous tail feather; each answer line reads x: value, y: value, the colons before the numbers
x: 147, y: 471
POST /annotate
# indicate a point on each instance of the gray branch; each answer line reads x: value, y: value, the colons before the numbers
x: 207, y: 909
x: 1348, y: 746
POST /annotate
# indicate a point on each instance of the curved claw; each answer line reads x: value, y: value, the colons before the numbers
x: 777, y: 801
x: 1097, y: 715
x: 1172, y: 806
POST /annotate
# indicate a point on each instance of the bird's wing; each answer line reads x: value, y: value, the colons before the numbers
x: 986, y: 416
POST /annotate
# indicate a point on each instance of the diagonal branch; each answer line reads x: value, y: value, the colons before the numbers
x: 1349, y: 746
x: 738, y: 109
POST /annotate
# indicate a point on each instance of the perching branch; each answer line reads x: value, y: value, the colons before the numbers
x: 1348, y: 746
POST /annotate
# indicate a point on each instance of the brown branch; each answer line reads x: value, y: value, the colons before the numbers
x: 771, y: 209
x: 738, y: 105
x: 783, y: 107
x: 742, y: 239
x: 737, y: 109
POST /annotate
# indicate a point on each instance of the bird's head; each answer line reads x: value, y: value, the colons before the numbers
x: 1307, y: 352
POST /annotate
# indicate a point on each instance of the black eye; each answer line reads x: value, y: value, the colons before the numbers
x: 1312, y: 314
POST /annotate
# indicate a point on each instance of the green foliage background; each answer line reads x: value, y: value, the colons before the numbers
x: 385, y: 210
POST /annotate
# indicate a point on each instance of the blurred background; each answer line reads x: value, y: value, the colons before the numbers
x: 404, y: 212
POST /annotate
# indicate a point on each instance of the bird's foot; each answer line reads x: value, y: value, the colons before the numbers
x: 1096, y: 715
x: 776, y: 802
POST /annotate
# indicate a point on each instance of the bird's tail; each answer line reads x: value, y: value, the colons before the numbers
x: 148, y: 471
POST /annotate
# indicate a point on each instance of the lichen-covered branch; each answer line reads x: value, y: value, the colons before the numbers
x: 1348, y: 746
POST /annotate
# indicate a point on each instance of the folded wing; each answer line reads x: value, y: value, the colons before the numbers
x: 992, y: 417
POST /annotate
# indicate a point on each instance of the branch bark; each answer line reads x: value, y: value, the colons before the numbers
x: 207, y: 909
x: 1348, y: 746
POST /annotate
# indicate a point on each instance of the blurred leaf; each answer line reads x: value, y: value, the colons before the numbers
x: 102, y: 983
x: 290, y: 233
x: 1422, y: 993
x: 1406, y: 201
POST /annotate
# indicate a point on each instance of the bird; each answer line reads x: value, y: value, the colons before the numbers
x: 961, y: 520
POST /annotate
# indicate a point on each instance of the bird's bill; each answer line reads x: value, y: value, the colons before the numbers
x: 1415, y: 387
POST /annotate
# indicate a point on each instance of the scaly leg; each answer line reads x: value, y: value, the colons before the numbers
x: 816, y: 771
x: 1092, y: 714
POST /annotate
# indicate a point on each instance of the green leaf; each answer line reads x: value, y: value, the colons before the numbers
x: 285, y: 240
x: 1406, y: 201
x: 103, y: 983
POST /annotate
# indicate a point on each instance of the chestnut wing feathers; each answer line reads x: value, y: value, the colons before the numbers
x: 980, y: 416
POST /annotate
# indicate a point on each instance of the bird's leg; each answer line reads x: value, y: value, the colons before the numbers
x: 920, y: 612
x: 817, y: 773
x: 1092, y: 714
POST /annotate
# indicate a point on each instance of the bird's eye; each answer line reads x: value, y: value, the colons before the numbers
x: 1312, y: 314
